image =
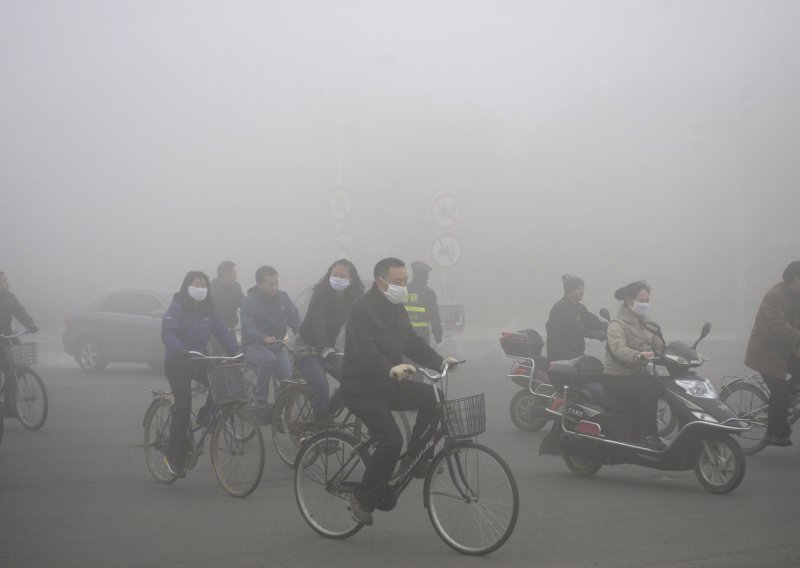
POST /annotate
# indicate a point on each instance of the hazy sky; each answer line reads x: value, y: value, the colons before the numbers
x: 615, y: 140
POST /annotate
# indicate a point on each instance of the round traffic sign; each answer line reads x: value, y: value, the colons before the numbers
x: 341, y: 203
x: 445, y: 210
x: 446, y: 251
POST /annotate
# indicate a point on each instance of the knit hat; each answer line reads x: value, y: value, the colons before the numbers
x: 572, y: 283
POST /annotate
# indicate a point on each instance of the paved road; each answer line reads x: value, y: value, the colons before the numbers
x: 78, y: 494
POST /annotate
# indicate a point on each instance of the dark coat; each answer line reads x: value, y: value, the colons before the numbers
x: 776, y: 332
x: 423, y: 296
x: 327, y: 313
x: 227, y: 300
x: 267, y: 316
x: 11, y: 308
x: 569, y: 324
x: 377, y: 336
x: 188, y: 326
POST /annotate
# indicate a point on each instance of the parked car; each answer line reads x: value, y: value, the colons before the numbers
x: 122, y: 327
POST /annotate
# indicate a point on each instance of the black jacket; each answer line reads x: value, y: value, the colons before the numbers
x: 567, y: 327
x: 11, y: 308
x: 327, y: 313
x: 378, y: 335
x: 426, y: 298
x: 227, y: 301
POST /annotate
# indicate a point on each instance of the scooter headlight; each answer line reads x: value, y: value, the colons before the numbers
x: 677, y: 358
x: 698, y: 388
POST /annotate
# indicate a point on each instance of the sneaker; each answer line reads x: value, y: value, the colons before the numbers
x: 359, y: 513
x: 779, y: 441
x: 174, y: 469
x: 655, y: 443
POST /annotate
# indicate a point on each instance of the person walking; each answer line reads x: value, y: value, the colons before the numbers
x: 422, y: 306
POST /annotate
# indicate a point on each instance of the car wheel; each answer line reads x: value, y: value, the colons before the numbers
x: 90, y: 356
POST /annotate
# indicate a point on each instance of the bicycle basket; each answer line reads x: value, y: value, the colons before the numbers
x: 226, y: 384
x: 465, y: 417
x: 22, y: 354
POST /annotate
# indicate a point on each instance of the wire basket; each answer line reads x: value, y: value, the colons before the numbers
x: 465, y: 417
x: 226, y: 384
x: 22, y: 354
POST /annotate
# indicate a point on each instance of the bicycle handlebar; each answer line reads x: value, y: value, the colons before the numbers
x: 15, y: 335
x: 197, y: 356
x: 436, y: 377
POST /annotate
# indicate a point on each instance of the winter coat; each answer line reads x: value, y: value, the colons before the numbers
x: 11, y: 308
x: 327, y: 313
x: 377, y: 336
x: 626, y: 337
x: 267, y: 316
x: 227, y: 300
x: 188, y: 326
x: 776, y: 332
x: 569, y: 324
x: 423, y: 309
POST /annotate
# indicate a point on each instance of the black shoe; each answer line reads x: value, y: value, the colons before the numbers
x: 359, y: 513
x: 655, y: 443
x: 779, y: 441
x: 175, y: 470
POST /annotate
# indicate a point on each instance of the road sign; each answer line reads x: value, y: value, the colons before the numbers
x: 445, y: 211
x: 446, y: 251
x: 344, y: 246
x: 341, y: 203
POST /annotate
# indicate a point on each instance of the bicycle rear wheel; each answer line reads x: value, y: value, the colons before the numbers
x: 292, y: 421
x: 237, y: 452
x: 329, y: 467
x: 472, y: 498
x: 156, y: 439
x: 750, y: 403
x: 31, y: 399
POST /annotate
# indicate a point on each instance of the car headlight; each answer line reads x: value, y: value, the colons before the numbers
x: 699, y: 388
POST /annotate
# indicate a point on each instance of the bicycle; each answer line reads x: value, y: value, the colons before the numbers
x: 469, y: 491
x: 237, y: 445
x: 748, y: 397
x: 30, y: 401
x: 293, y: 419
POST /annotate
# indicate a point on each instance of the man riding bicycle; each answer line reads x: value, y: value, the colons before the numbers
x: 10, y: 309
x: 378, y: 335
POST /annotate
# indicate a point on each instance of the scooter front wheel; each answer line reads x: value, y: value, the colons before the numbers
x: 581, y: 466
x: 719, y: 463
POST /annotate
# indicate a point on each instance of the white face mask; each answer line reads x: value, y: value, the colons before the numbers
x: 339, y: 284
x: 197, y: 294
x: 395, y: 294
x: 640, y: 308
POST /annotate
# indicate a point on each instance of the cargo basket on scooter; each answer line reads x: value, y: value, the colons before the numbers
x: 226, y: 384
x: 465, y: 417
x: 22, y: 354
x: 526, y: 343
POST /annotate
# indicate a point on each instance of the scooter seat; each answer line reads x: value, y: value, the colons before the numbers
x: 583, y: 365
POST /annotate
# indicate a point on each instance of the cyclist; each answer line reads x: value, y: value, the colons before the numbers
x: 227, y: 295
x: 378, y: 335
x: 10, y: 309
x: 630, y: 345
x: 571, y: 323
x: 188, y: 325
x: 330, y: 304
x: 774, y: 351
x: 267, y: 313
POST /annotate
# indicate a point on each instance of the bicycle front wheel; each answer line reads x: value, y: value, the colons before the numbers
x: 472, y: 498
x: 156, y: 439
x: 749, y: 403
x: 329, y: 468
x: 237, y: 452
x: 31, y: 400
x: 292, y: 418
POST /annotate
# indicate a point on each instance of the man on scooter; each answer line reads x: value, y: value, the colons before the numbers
x: 570, y: 323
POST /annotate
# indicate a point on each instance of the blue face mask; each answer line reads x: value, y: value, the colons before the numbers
x: 640, y: 308
x: 339, y: 284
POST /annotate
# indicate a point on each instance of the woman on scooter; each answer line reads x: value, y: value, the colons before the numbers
x: 630, y: 345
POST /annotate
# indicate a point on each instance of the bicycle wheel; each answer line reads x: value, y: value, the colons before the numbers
x: 329, y: 467
x: 156, y: 439
x: 31, y: 399
x: 292, y: 419
x: 237, y: 455
x: 472, y: 498
x: 750, y: 403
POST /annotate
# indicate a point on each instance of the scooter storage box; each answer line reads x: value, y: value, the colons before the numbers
x: 525, y: 343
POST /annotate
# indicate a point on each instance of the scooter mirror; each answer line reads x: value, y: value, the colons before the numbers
x: 604, y: 314
x: 706, y: 329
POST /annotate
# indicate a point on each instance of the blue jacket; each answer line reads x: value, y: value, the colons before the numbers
x: 187, y: 328
x: 267, y: 316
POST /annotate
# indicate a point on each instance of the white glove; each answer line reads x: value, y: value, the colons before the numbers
x: 451, y: 361
x: 326, y: 352
x: 401, y: 372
